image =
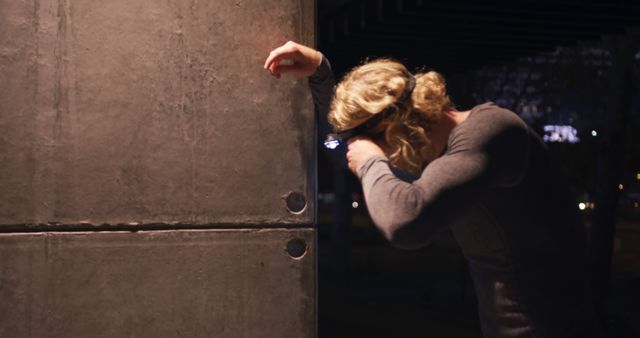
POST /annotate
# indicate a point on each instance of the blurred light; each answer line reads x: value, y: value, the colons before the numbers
x: 327, y: 198
x: 638, y: 176
x: 582, y: 206
x: 592, y: 205
x: 636, y: 205
x: 620, y: 186
x: 354, y: 204
x: 332, y: 144
x: 594, y: 133
x: 558, y: 133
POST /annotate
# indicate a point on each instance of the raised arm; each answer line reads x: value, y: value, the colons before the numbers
x: 293, y: 58
x: 298, y: 60
x: 487, y: 155
x: 410, y: 214
x: 321, y: 83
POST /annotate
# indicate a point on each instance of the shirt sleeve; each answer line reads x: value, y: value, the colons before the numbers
x: 483, y: 157
x: 321, y: 84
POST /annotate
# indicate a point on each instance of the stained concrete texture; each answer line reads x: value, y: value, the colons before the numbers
x: 150, y: 111
x: 202, y: 283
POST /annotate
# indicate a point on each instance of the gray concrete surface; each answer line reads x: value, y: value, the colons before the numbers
x: 202, y: 283
x: 118, y: 112
x: 155, y: 114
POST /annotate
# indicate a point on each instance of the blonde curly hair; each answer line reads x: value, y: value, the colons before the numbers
x: 377, y: 85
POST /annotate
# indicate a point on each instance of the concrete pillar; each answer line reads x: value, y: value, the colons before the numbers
x: 155, y: 181
x: 188, y: 283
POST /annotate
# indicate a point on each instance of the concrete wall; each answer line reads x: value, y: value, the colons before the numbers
x: 201, y: 283
x: 152, y: 111
x: 154, y: 117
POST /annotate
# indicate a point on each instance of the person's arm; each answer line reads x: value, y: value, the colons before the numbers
x: 409, y: 214
x: 298, y: 60
x: 293, y: 58
x: 321, y: 83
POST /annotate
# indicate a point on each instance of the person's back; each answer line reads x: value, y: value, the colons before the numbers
x: 523, y: 238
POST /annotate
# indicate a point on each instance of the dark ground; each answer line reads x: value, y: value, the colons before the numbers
x: 428, y: 293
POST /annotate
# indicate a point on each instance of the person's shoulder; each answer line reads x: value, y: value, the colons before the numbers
x: 489, y: 122
x: 490, y: 111
x: 493, y: 118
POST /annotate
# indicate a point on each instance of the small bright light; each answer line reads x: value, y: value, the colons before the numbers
x: 620, y: 186
x: 332, y: 144
x: 638, y: 176
x: 354, y: 204
x: 582, y: 206
x: 594, y: 133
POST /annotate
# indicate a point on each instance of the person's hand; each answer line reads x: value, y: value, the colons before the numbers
x: 293, y: 58
x: 360, y: 149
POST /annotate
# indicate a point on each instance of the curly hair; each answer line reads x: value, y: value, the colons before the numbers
x: 377, y: 85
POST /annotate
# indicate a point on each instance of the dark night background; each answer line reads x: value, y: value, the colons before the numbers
x: 574, y: 64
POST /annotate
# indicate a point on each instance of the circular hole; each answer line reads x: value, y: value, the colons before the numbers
x: 296, y: 202
x: 296, y: 248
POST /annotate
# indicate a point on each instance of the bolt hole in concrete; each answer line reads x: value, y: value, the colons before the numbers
x: 296, y: 202
x: 296, y: 248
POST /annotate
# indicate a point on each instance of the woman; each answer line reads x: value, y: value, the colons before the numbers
x: 482, y: 173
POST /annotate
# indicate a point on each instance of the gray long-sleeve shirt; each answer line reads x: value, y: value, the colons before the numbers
x: 510, y: 212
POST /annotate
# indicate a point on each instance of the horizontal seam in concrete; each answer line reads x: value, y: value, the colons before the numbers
x: 31, y: 228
